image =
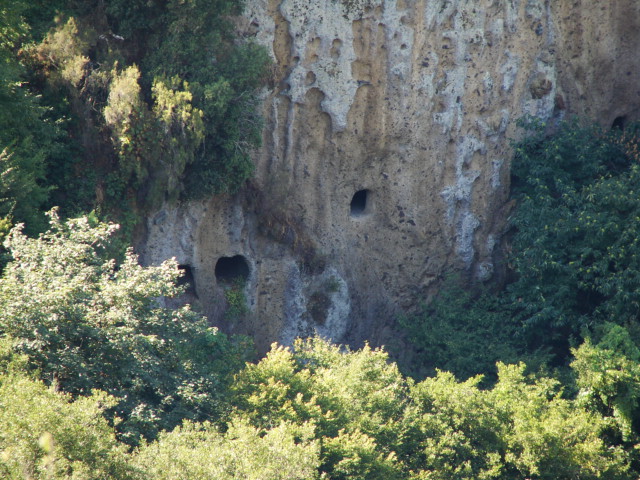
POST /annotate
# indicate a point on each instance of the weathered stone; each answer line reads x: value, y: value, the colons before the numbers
x: 415, y: 102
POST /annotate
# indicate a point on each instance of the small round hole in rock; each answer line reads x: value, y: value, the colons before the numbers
x: 360, y: 203
x: 232, y: 269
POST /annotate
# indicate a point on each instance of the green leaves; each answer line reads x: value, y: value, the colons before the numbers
x: 44, y: 435
x: 199, y: 452
x: 609, y: 378
x: 462, y: 332
x: 575, y: 245
x: 373, y: 423
x: 355, y: 401
x: 25, y: 136
x: 90, y: 323
x: 151, y: 101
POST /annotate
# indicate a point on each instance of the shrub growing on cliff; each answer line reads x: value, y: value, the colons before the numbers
x: 159, y: 100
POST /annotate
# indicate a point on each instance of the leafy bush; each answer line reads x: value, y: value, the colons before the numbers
x: 45, y: 435
x: 354, y: 401
x: 463, y: 332
x: 608, y: 372
x: 577, y: 225
x: 163, y: 96
x: 26, y: 137
x: 200, y: 452
x: 86, y: 323
x: 236, y: 302
x: 521, y: 428
x: 372, y: 423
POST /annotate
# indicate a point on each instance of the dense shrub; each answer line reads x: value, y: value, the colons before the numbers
x: 573, y: 257
x: 577, y: 224
x: 88, y: 323
x: 45, y: 435
x: 121, y: 106
x: 200, y: 452
x: 372, y: 422
x: 26, y: 136
x: 463, y: 332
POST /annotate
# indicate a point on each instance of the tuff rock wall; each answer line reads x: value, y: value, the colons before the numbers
x: 415, y: 102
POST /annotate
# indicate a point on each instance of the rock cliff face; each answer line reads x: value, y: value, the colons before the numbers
x: 385, y: 159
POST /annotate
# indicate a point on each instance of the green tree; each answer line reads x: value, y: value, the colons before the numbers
x: 574, y: 257
x: 609, y: 379
x: 87, y: 323
x: 372, y: 423
x: 354, y: 400
x: 464, y: 332
x: 26, y: 137
x: 45, y: 435
x: 520, y: 429
x: 575, y: 250
x: 200, y: 452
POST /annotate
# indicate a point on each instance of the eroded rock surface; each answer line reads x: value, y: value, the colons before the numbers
x: 414, y: 102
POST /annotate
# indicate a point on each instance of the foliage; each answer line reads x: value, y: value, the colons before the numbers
x: 45, y: 435
x: 354, y: 401
x: 162, y: 96
x: 236, y: 302
x: 314, y: 411
x: 574, y: 275
x: 26, y: 137
x: 200, y: 452
x: 577, y: 227
x: 86, y: 323
x: 465, y: 333
x: 609, y: 379
x: 372, y: 422
x: 519, y: 429
x: 322, y: 412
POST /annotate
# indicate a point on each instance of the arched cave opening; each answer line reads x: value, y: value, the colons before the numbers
x: 187, y: 280
x: 619, y: 123
x: 360, y: 203
x: 232, y: 269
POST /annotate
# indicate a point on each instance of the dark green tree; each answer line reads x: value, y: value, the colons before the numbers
x: 575, y: 249
x: 26, y: 137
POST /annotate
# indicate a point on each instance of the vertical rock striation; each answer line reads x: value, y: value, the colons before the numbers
x: 413, y: 103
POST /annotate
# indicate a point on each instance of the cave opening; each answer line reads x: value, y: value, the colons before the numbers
x: 360, y: 203
x: 619, y: 123
x: 231, y: 270
x: 187, y: 280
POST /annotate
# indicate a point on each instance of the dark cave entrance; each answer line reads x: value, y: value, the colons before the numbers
x: 230, y: 270
x: 187, y: 280
x: 619, y: 123
x: 360, y: 203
